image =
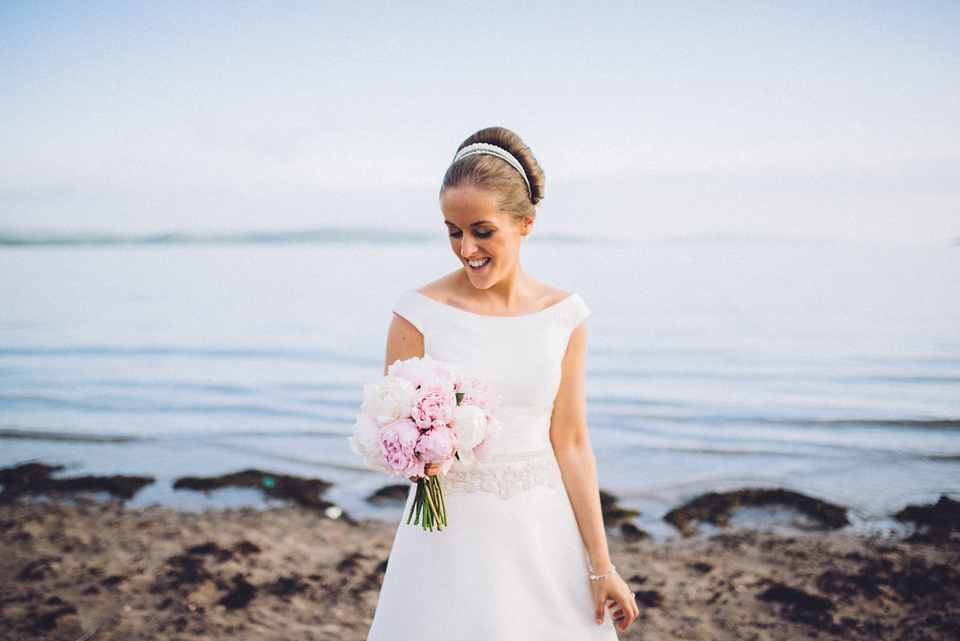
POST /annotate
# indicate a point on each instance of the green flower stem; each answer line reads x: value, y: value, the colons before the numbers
x: 429, y: 508
x: 417, y: 502
x: 436, y: 501
x: 430, y: 503
x: 443, y: 503
x: 425, y: 505
x: 413, y: 507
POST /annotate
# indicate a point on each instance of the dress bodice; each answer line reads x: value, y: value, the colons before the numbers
x: 518, y: 357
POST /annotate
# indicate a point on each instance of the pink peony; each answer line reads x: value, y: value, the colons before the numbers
x: 446, y: 372
x: 416, y: 370
x: 434, y: 405
x: 476, y: 393
x: 398, y: 442
x: 426, y: 370
x: 437, y: 445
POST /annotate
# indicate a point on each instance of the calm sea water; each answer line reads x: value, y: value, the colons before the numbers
x: 830, y: 369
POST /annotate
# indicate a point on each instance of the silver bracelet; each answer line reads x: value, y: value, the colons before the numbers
x: 597, y: 577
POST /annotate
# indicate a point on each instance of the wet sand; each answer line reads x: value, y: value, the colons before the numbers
x: 85, y: 569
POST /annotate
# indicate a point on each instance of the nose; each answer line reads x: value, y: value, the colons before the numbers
x: 467, y: 246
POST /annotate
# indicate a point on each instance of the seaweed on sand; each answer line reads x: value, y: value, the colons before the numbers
x: 33, y: 479
x: 613, y: 514
x: 935, y: 523
x: 716, y: 508
x: 800, y: 606
x: 303, y: 492
x: 390, y: 494
x: 631, y: 532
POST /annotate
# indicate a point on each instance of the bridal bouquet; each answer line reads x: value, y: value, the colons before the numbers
x: 424, y: 412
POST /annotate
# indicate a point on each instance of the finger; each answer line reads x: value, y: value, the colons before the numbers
x: 625, y: 622
x: 625, y: 614
x: 598, y: 613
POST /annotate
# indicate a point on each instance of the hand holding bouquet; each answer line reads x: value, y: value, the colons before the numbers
x: 424, y: 412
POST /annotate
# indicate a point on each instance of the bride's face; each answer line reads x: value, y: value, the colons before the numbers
x: 485, y: 239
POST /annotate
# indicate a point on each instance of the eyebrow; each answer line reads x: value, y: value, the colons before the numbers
x: 476, y: 224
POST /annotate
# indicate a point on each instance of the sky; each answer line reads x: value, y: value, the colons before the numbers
x: 652, y: 119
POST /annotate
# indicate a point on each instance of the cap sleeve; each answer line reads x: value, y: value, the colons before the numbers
x: 411, y: 306
x: 576, y: 312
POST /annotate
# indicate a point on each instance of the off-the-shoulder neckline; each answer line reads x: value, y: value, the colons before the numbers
x: 563, y: 300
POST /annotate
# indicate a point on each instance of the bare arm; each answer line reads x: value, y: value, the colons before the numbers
x: 403, y: 341
x: 571, y: 444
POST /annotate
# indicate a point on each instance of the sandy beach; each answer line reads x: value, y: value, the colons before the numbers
x: 85, y: 569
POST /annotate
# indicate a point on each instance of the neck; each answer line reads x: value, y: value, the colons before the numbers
x: 506, y: 296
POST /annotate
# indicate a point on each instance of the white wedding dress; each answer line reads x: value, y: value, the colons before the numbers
x: 510, y: 564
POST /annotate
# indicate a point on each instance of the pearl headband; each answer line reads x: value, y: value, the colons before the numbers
x: 492, y: 150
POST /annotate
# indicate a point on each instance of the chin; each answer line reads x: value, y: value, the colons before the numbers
x: 479, y: 281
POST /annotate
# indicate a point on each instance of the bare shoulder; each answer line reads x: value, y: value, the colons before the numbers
x: 547, y: 295
x: 442, y: 290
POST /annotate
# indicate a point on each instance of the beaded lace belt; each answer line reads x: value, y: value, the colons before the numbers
x: 505, y: 474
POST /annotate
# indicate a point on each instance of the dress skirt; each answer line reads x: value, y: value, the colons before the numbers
x: 504, y: 568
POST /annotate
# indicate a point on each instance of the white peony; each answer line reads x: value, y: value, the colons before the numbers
x: 470, y: 425
x: 366, y: 441
x: 389, y: 399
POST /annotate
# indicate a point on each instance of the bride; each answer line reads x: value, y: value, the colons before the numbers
x: 524, y: 554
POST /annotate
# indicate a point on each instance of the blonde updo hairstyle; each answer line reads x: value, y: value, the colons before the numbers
x: 497, y: 176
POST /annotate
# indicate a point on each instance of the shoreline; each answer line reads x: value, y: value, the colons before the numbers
x: 99, y: 570
x: 655, y: 483
x: 759, y: 506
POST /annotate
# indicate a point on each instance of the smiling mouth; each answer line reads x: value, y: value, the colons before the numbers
x: 477, y: 265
